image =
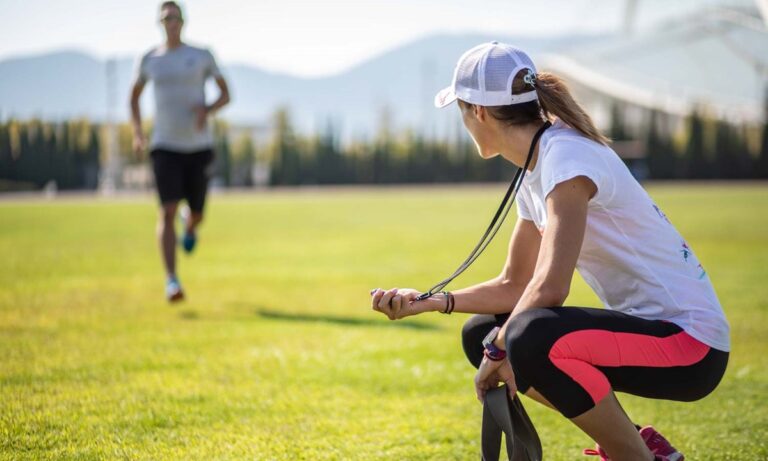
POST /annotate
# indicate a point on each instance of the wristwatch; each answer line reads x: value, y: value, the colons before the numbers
x: 491, y: 351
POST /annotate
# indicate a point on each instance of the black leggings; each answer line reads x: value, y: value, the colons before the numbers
x: 574, y: 356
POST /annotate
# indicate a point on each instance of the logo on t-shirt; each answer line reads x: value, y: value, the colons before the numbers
x: 686, y: 251
x: 689, y: 257
x: 661, y: 214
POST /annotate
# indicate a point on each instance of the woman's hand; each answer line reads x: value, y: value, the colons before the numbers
x: 490, y: 374
x: 399, y: 303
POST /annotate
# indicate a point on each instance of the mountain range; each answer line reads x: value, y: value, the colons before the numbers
x: 400, y: 82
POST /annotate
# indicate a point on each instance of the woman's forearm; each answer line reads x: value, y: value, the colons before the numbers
x: 534, y: 296
x: 496, y: 296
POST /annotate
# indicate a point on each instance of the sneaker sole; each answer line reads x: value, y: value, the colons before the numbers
x: 176, y: 297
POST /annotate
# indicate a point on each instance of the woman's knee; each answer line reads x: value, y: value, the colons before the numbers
x: 526, y: 336
x: 472, y: 334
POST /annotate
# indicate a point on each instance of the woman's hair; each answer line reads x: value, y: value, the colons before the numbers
x: 554, y: 100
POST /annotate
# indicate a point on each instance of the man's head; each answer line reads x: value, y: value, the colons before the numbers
x: 172, y: 19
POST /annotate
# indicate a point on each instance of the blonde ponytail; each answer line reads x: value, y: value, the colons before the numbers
x: 556, y: 100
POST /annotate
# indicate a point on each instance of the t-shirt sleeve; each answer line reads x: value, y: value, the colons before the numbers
x: 140, y: 73
x: 522, y: 209
x: 570, y: 158
x: 211, y: 69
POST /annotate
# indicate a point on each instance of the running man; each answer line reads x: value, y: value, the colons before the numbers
x: 662, y: 333
x: 182, y: 140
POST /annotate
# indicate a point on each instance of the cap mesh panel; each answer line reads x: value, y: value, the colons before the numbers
x: 497, y: 69
x: 468, y: 70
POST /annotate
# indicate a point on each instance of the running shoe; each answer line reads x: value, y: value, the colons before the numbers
x: 189, y: 239
x: 173, y: 290
x: 659, y: 446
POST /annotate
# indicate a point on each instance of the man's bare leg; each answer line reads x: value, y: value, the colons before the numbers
x: 166, y: 236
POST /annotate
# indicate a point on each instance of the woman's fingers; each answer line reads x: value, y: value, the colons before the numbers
x: 480, y: 389
x: 480, y: 381
x: 507, y: 376
x: 378, y: 304
x: 512, y: 388
x: 384, y: 304
x: 488, y: 375
x: 394, y: 303
x: 376, y: 295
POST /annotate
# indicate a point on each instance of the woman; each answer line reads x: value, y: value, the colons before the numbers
x: 662, y: 333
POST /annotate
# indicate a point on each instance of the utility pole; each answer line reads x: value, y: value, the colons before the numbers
x: 630, y: 16
x: 110, y: 171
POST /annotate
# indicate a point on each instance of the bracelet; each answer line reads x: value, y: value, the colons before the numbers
x: 495, y: 357
x: 450, y: 302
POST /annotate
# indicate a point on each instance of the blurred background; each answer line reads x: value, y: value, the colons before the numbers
x: 275, y: 354
x: 340, y: 92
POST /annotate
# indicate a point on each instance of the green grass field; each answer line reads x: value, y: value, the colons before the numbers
x: 276, y: 354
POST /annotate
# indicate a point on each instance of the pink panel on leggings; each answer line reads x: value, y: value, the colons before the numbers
x: 576, y: 353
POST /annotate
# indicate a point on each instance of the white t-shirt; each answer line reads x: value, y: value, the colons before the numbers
x: 178, y: 76
x: 632, y: 256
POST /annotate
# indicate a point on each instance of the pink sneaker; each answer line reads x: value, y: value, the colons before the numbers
x: 660, y: 446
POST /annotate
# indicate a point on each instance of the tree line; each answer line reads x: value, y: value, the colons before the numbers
x: 34, y: 153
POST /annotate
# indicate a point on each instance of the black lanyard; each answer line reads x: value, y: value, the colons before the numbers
x: 496, y: 223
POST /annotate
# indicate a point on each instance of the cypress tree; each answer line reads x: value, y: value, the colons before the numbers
x: 761, y: 164
x: 5, y: 152
x: 726, y: 166
x: 286, y: 163
x: 695, y: 163
x: 761, y: 167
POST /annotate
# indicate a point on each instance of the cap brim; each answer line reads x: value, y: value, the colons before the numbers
x: 444, y: 97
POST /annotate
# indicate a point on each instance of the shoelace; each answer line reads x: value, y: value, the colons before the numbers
x: 603, y: 457
x: 656, y: 438
x: 599, y: 452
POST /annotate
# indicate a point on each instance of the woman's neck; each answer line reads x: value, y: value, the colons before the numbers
x: 516, y: 142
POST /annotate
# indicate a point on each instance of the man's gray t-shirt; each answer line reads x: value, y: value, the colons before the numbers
x: 178, y: 76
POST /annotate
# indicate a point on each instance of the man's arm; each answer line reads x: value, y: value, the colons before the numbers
x: 139, y: 143
x: 204, y: 111
x: 223, y: 98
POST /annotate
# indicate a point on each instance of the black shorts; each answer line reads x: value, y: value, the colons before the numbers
x: 181, y: 176
x: 574, y: 356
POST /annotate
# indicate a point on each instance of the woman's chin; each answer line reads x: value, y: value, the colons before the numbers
x: 487, y: 155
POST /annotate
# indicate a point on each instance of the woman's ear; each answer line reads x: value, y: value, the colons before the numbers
x: 480, y: 112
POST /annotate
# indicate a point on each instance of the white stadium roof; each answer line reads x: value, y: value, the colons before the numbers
x: 714, y: 55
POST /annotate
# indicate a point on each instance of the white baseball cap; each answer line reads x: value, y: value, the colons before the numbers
x: 484, y: 76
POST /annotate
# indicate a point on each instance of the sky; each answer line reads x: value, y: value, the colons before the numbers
x: 301, y: 37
